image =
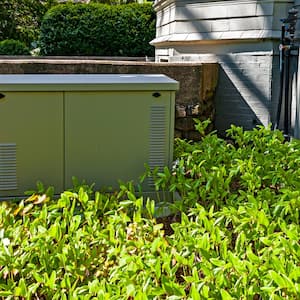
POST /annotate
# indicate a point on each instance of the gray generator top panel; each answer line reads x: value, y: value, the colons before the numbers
x: 87, y: 82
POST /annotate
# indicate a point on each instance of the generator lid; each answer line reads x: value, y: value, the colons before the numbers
x: 87, y: 82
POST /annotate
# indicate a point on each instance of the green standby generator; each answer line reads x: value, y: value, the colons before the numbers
x: 98, y: 128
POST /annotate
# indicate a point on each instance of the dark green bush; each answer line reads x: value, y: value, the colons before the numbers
x: 98, y: 29
x: 13, y: 47
x: 20, y: 19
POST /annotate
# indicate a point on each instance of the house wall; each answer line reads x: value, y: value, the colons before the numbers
x: 243, y: 37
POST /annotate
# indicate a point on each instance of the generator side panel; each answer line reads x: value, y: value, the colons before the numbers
x: 31, y: 141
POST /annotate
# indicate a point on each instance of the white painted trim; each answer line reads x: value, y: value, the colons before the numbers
x: 215, y: 37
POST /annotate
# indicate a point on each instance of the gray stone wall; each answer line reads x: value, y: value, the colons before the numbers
x: 243, y: 36
x: 195, y: 98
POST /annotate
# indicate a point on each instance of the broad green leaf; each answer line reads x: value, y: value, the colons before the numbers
x: 6, y: 293
x: 74, y: 223
x: 140, y: 295
x: 236, y: 262
x: 266, y: 241
x: 194, y: 294
x: 131, y: 196
x: 52, y: 279
x: 171, y: 287
x: 217, y: 262
x: 158, y: 269
x: 204, y: 291
x: 55, y: 231
x: 62, y: 295
x: 93, y: 286
x: 262, y: 218
x: 240, y: 241
x: 278, y: 265
x: 37, y: 277
x: 150, y: 206
x: 225, y: 295
x: 83, y: 196
x: 223, y: 249
x: 252, y: 257
x: 137, y: 217
x: 280, y: 279
x: 130, y: 290
x: 33, y: 288
x: 21, y: 289
x: 195, y: 274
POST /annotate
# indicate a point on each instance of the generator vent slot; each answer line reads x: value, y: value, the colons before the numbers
x: 8, y: 167
x: 158, y: 138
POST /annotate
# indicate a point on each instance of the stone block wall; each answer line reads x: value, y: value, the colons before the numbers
x: 195, y: 98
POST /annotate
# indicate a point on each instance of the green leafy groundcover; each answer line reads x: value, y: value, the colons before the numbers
x: 235, y: 230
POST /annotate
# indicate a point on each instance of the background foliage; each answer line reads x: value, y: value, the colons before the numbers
x: 21, y: 19
x: 98, y: 29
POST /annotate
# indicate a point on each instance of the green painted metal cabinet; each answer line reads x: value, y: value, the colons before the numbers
x: 99, y: 128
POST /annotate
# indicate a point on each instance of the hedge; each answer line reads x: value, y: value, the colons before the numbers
x: 98, y: 29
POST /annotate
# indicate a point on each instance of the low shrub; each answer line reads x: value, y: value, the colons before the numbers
x: 98, y: 29
x: 13, y: 47
x: 235, y: 232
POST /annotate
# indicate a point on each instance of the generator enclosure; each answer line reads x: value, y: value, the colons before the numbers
x: 98, y: 128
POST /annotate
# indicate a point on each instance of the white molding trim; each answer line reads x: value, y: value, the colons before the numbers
x: 216, y: 37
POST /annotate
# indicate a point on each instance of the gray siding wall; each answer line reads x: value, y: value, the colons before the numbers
x: 243, y: 36
x: 219, y: 20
